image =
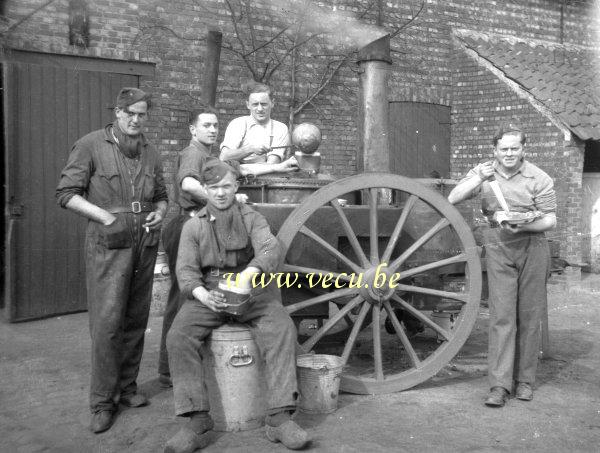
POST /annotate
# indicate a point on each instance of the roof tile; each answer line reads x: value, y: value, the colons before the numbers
x: 563, y: 79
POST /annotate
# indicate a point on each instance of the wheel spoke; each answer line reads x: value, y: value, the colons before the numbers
x: 355, y: 331
x: 316, y: 272
x: 377, y: 343
x: 412, y: 355
x: 327, y: 246
x: 350, y: 234
x: 420, y: 316
x: 398, y: 229
x: 443, y: 223
x: 309, y: 344
x: 427, y: 267
x: 463, y: 297
x: 374, y: 235
x: 321, y: 298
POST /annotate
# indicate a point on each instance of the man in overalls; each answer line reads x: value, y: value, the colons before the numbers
x: 113, y: 177
x: 227, y: 237
x: 518, y: 261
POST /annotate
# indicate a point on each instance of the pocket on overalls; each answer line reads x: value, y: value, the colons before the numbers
x: 116, y: 235
x: 110, y: 183
x: 149, y: 183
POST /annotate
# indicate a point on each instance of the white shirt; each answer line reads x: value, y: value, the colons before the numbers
x: 244, y: 130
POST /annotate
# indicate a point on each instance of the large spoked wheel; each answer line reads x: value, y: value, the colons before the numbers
x: 369, y: 259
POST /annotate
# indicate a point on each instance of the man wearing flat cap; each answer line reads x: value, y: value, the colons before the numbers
x: 113, y: 177
x: 229, y: 238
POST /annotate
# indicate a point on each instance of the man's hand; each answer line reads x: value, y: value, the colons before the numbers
x: 288, y: 165
x: 485, y: 170
x: 246, y: 277
x: 241, y: 197
x: 213, y: 299
x: 109, y: 220
x: 153, y: 220
x: 512, y: 228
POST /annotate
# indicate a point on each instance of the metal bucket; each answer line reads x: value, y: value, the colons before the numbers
x: 318, y: 382
x: 234, y: 381
x: 445, y: 319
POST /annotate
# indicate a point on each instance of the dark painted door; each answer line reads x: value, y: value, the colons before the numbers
x: 420, y: 139
x: 46, y: 108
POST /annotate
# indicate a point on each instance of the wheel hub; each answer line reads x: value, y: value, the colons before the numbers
x: 376, y: 284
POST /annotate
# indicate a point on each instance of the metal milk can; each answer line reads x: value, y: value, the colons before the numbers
x: 234, y: 379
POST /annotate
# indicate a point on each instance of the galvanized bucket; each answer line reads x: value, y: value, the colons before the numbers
x: 318, y: 382
x: 234, y: 381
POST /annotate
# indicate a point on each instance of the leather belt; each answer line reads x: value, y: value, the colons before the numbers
x: 219, y: 272
x: 136, y: 207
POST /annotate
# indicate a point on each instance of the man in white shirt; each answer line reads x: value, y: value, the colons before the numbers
x: 257, y: 138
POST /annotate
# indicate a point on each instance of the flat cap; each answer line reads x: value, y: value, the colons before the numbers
x: 130, y: 95
x: 215, y: 170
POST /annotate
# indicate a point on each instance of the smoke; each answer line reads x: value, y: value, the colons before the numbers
x: 596, y: 22
x: 337, y: 25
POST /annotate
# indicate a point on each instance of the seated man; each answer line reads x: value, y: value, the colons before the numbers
x: 256, y: 138
x: 191, y: 197
x: 228, y: 237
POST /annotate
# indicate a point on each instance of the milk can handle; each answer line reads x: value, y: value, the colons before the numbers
x: 240, y: 359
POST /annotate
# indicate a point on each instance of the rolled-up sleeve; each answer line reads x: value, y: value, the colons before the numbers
x: 281, y: 138
x: 189, y: 263
x: 234, y: 134
x: 75, y: 177
x: 191, y: 164
x: 545, y: 198
x: 470, y: 175
x: 160, y: 189
x: 267, y: 248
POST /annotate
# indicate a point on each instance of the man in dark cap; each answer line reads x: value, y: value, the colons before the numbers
x: 227, y: 237
x: 518, y: 260
x: 113, y: 177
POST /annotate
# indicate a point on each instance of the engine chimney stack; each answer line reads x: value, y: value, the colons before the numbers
x: 374, y: 61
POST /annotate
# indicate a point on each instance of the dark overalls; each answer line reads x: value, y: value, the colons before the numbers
x: 119, y: 258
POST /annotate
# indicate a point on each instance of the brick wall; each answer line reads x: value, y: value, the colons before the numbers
x: 480, y: 102
x: 171, y: 35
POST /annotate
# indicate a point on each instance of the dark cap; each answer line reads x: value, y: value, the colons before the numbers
x: 129, y: 95
x: 215, y: 170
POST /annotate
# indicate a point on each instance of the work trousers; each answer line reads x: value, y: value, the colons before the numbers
x: 170, y: 237
x: 119, y: 292
x: 517, y: 268
x: 275, y: 336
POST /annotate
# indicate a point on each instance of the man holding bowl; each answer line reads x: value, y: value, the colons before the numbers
x: 226, y: 238
x: 519, y: 202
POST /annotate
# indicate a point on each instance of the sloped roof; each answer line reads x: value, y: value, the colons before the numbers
x: 562, y: 78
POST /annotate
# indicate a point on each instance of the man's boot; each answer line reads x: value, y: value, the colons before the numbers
x: 194, y: 435
x: 281, y: 428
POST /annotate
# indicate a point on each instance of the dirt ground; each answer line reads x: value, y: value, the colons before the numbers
x: 44, y: 370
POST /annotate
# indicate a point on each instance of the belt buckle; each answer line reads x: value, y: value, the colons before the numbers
x: 136, y: 207
x: 214, y: 271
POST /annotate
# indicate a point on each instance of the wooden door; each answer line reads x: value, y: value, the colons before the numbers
x: 47, y: 107
x: 420, y: 139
